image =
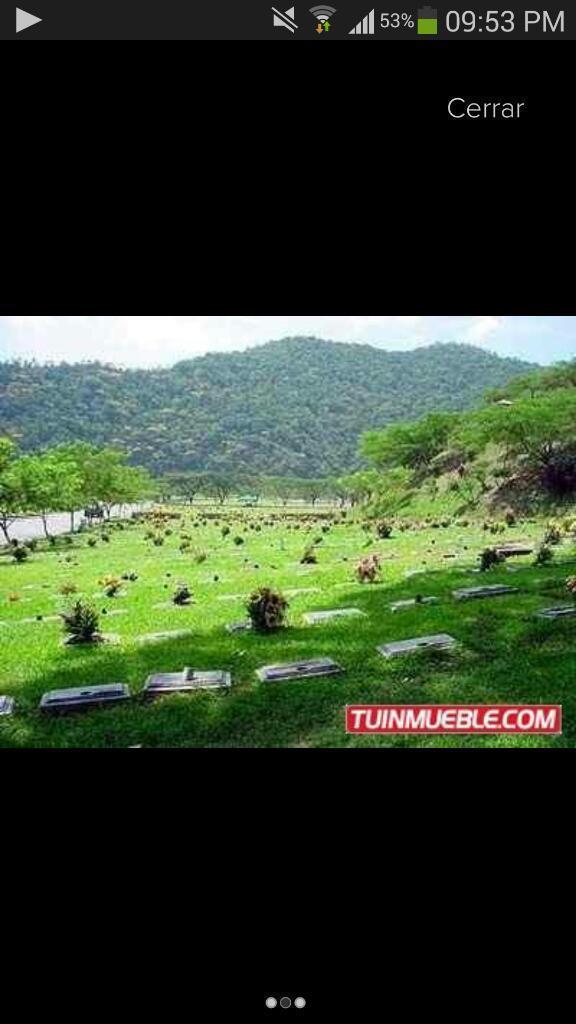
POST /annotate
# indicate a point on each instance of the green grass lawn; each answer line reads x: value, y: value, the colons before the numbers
x: 506, y: 655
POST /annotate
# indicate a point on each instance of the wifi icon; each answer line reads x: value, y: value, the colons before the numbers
x: 323, y: 13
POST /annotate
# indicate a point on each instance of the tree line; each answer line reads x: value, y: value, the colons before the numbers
x: 64, y: 479
x: 520, y: 442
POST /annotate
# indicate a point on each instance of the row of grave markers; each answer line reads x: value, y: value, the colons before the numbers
x: 189, y: 680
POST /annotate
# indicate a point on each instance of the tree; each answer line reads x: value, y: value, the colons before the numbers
x: 220, y: 486
x: 188, y: 485
x: 411, y: 445
x: 47, y: 483
x: 10, y: 495
x: 539, y: 433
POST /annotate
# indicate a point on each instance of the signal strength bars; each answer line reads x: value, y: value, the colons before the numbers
x: 364, y: 27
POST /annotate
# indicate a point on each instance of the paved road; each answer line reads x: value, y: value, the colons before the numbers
x: 28, y: 528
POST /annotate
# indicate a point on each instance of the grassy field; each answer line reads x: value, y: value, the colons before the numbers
x: 506, y: 654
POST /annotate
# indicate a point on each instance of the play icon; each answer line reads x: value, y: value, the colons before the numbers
x: 25, y: 20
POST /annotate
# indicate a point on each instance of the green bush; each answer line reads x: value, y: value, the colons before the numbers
x: 21, y: 553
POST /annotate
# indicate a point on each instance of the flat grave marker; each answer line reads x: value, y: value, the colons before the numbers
x: 439, y: 642
x: 304, y: 590
x: 514, y: 550
x: 158, y: 638
x: 398, y: 606
x: 84, y: 698
x: 299, y: 670
x: 239, y: 627
x: 39, y: 620
x: 6, y: 706
x: 562, y: 612
x: 185, y: 682
x: 316, y: 618
x: 475, y: 593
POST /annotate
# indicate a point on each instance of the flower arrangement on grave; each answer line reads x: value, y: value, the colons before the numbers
x: 490, y: 558
x: 309, y: 557
x: 68, y: 588
x: 267, y: 610
x: 368, y: 570
x: 552, y: 536
x: 81, y: 624
x: 183, y: 595
x: 111, y: 585
x: 544, y: 555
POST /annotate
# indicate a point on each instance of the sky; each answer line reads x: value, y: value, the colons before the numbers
x: 147, y: 341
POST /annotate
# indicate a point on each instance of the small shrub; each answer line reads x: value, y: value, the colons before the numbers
x: 32, y: 544
x: 384, y: 531
x: 239, y: 541
x: 571, y: 586
x: 21, y: 554
x: 105, y: 538
x: 489, y: 559
x: 368, y: 570
x: 510, y: 518
x: 81, y: 623
x: 226, y: 531
x: 158, y: 541
x: 267, y: 610
x: 130, y: 577
x: 92, y: 542
x: 200, y: 557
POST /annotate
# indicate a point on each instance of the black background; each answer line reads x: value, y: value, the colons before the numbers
x: 192, y: 884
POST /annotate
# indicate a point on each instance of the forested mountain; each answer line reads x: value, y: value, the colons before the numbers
x: 295, y: 407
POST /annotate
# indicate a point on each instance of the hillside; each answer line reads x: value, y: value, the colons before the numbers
x: 295, y: 407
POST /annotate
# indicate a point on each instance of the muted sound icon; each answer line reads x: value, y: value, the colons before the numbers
x: 285, y: 20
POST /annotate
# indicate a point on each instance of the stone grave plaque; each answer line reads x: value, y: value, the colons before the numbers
x: 6, y: 706
x: 513, y: 550
x: 398, y: 606
x: 440, y: 642
x: 158, y: 638
x: 305, y: 590
x: 316, y: 618
x: 185, y: 682
x: 299, y: 670
x: 239, y: 627
x: 496, y: 590
x: 40, y: 619
x: 414, y: 572
x: 563, y: 612
x: 84, y: 698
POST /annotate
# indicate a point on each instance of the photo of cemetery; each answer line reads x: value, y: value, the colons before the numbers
x: 227, y: 551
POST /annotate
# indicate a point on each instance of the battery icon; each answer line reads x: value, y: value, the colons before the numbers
x: 427, y: 22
